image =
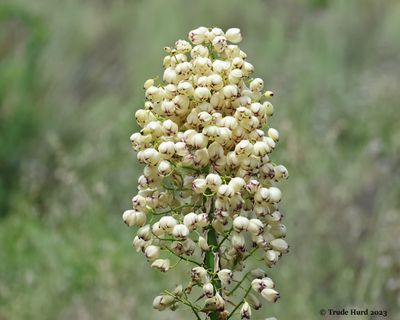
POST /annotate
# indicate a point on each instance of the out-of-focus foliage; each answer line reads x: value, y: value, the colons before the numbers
x: 71, y: 75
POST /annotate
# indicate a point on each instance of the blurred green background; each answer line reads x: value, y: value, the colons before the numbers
x: 71, y: 75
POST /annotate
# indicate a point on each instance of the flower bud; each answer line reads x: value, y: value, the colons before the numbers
x: 148, y: 83
x: 161, y: 264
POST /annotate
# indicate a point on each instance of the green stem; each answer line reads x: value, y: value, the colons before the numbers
x: 209, y: 259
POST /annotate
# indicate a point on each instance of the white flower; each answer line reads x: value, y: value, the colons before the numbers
x: 235, y: 76
x: 150, y: 156
x: 161, y: 303
x: 190, y: 220
x: 279, y: 245
x: 255, y: 227
x: 244, y: 148
x: 273, y: 134
x: 199, y: 274
x: 226, y: 276
x: 148, y: 83
x: 238, y: 242
x: 199, y: 185
x: 219, y: 43
x: 233, y: 35
x: 270, y: 295
x: 202, y: 94
x: 213, y: 181
x: 208, y: 290
x: 203, y: 244
x: 245, y: 311
x: 134, y: 218
x: 198, y: 36
x: 164, y: 168
x: 199, y: 51
x: 202, y: 220
x: 182, y: 46
x: 140, y: 244
x: 167, y: 223
x: 225, y: 191
x: 275, y: 194
x: 240, y: 224
x: 152, y: 252
x: 157, y: 230
x: 161, y: 264
x: 180, y: 231
x: 219, y: 302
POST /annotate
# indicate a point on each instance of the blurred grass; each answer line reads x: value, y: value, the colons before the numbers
x: 71, y: 77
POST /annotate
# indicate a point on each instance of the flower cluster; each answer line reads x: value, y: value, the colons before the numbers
x: 207, y: 195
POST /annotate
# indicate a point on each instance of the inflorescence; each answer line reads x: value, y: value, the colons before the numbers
x: 207, y: 195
